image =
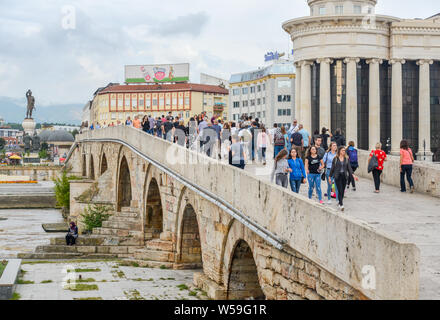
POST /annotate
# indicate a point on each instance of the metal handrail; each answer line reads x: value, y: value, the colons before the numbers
x: 206, y: 194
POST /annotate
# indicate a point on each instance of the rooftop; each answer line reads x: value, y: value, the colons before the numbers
x: 278, y: 67
x: 164, y: 87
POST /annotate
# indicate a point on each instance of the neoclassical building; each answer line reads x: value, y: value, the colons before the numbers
x: 375, y: 77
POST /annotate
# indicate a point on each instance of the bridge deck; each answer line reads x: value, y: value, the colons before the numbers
x: 412, y: 217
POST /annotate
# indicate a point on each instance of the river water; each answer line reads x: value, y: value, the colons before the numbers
x: 22, y: 231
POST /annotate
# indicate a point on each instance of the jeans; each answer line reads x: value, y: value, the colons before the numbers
x: 295, y: 185
x: 239, y: 166
x: 276, y: 150
x: 281, y: 179
x: 329, y: 185
x: 376, y: 177
x: 341, y: 183
x: 406, y: 169
x: 262, y: 154
x: 70, y: 240
x: 314, y: 180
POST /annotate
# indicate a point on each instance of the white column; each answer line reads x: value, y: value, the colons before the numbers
x: 424, y: 153
x: 374, y: 107
x: 352, y: 102
x: 324, y: 94
x: 306, y: 95
x: 396, y: 106
x: 298, y: 91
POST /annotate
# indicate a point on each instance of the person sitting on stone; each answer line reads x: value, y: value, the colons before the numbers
x: 72, y: 234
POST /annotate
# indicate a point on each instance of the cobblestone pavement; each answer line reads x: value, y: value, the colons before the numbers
x: 22, y: 231
x: 108, y: 281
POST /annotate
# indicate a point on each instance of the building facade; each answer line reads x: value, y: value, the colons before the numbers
x: 267, y: 94
x: 117, y: 102
x: 375, y: 77
x: 11, y: 136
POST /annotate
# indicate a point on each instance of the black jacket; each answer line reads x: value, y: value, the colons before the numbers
x: 339, y: 139
x: 336, y: 168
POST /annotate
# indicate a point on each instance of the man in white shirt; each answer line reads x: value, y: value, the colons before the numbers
x: 293, y: 128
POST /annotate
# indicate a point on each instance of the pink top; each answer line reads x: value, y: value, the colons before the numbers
x: 262, y: 140
x: 406, y: 156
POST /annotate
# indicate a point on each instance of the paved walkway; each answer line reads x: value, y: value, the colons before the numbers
x: 411, y: 217
x: 21, y: 231
x: 104, y: 281
x: 43, y: 187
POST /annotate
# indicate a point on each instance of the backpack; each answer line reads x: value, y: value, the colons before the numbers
x: 353, y: 155
x: 279, y: 139
x: 374, y: 163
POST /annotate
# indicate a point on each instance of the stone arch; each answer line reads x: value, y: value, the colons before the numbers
x: 190, y: 247
x: 243, y: 282
x: 124, y: 185
x: 91, y: 168
x: 104, y: 165
x: 153, y: 211
x: 241, y: 276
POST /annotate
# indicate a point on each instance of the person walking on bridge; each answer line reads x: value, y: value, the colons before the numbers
x: 406, y: 166
x: 314, y: 166
x: 298, y: 173
x: 381, y: 157
x: 342, y: 173
x: 281, y: 169
x: 328, y: 163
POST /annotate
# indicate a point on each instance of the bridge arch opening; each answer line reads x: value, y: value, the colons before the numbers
x: 92, y: 168
x: 84, y: 166
x: 104, y: 165
x: 243, y: 276
x: 124, y: 185
x: 154, y: 213
x: 191, y: 248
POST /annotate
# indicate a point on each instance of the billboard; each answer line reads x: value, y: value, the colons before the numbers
x: 158, y: 73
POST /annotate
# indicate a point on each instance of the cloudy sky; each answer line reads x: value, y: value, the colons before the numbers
x: 40, y: 50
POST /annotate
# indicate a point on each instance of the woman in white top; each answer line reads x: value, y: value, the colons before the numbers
x: 262, y: 141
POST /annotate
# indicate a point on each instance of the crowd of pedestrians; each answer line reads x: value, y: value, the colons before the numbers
x: 299, y: 157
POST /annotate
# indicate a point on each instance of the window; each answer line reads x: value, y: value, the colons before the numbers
x: 187, y: 101
x: 180, y: 101
x: 284, y: 98
x: 264, y: 100
x: 253, y: 102
x: 284, y: 84
x: 168, y: 101
x: 154, y: 102
x: 259, y: 114
x: 259, y: 88
x: 339, y: 9
x: 252, y: 89
x: 141, y: 102
x: 280, y: 112
x: 236, y: 92
x: 264, y: 114
x: 236, y: 104
x: 113, y: 103
x: 175, y: 101
x: 245, y: 90
x: 289, y: 112
x: 321, y: 10
x: 264, y: 87
x: 161, y: 102
x: 357, y: 9
x: 246, y: 103
x: 113, y: 116
x: 258, y: 102
x: 148, y: 103
x: 127, y: 102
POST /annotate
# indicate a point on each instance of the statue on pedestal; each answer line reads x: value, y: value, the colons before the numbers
x: 30, y: 104
x: 27, y: 143
x: 35, y: 143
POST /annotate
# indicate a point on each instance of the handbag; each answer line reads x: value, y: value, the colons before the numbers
x: 373, y: 164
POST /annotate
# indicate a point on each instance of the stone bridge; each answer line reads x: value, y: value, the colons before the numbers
x: 176, y: 208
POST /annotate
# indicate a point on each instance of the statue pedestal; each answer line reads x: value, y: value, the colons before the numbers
x: 33, y: 158
x: 29, y: 126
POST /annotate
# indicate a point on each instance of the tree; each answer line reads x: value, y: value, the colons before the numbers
x: 2, y: 143
x: 74, y: 133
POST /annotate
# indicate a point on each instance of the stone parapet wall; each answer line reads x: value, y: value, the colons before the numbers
x: 337, y: 244
x: 426, y: 175
x: 36, y: 173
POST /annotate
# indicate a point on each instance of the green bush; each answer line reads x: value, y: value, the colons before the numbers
x: 43, y: 154
x: 62, y: 190
x: 93, y: 217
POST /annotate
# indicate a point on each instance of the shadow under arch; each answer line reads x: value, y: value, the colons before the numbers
x: 84, y: 166
x: 104, y: 165
x: 153, y: 212
x: 92, y: 168
x: 190, y: 244
x: 124, y: 185
x: 243, y: 282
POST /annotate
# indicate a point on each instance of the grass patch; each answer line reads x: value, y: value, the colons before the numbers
x: 163, y: 267
x: 85, y: 270
x: 133, y: 295
x: 46, y: 281
x: 20, y: 281
x: 192, y: 293
x: 91, y: 298
x: 3, y: 265
x: 81, y: 287
x: 81, y: 280
x: 16, y: 296
x: 182, y: 287
x: 140, y: 279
